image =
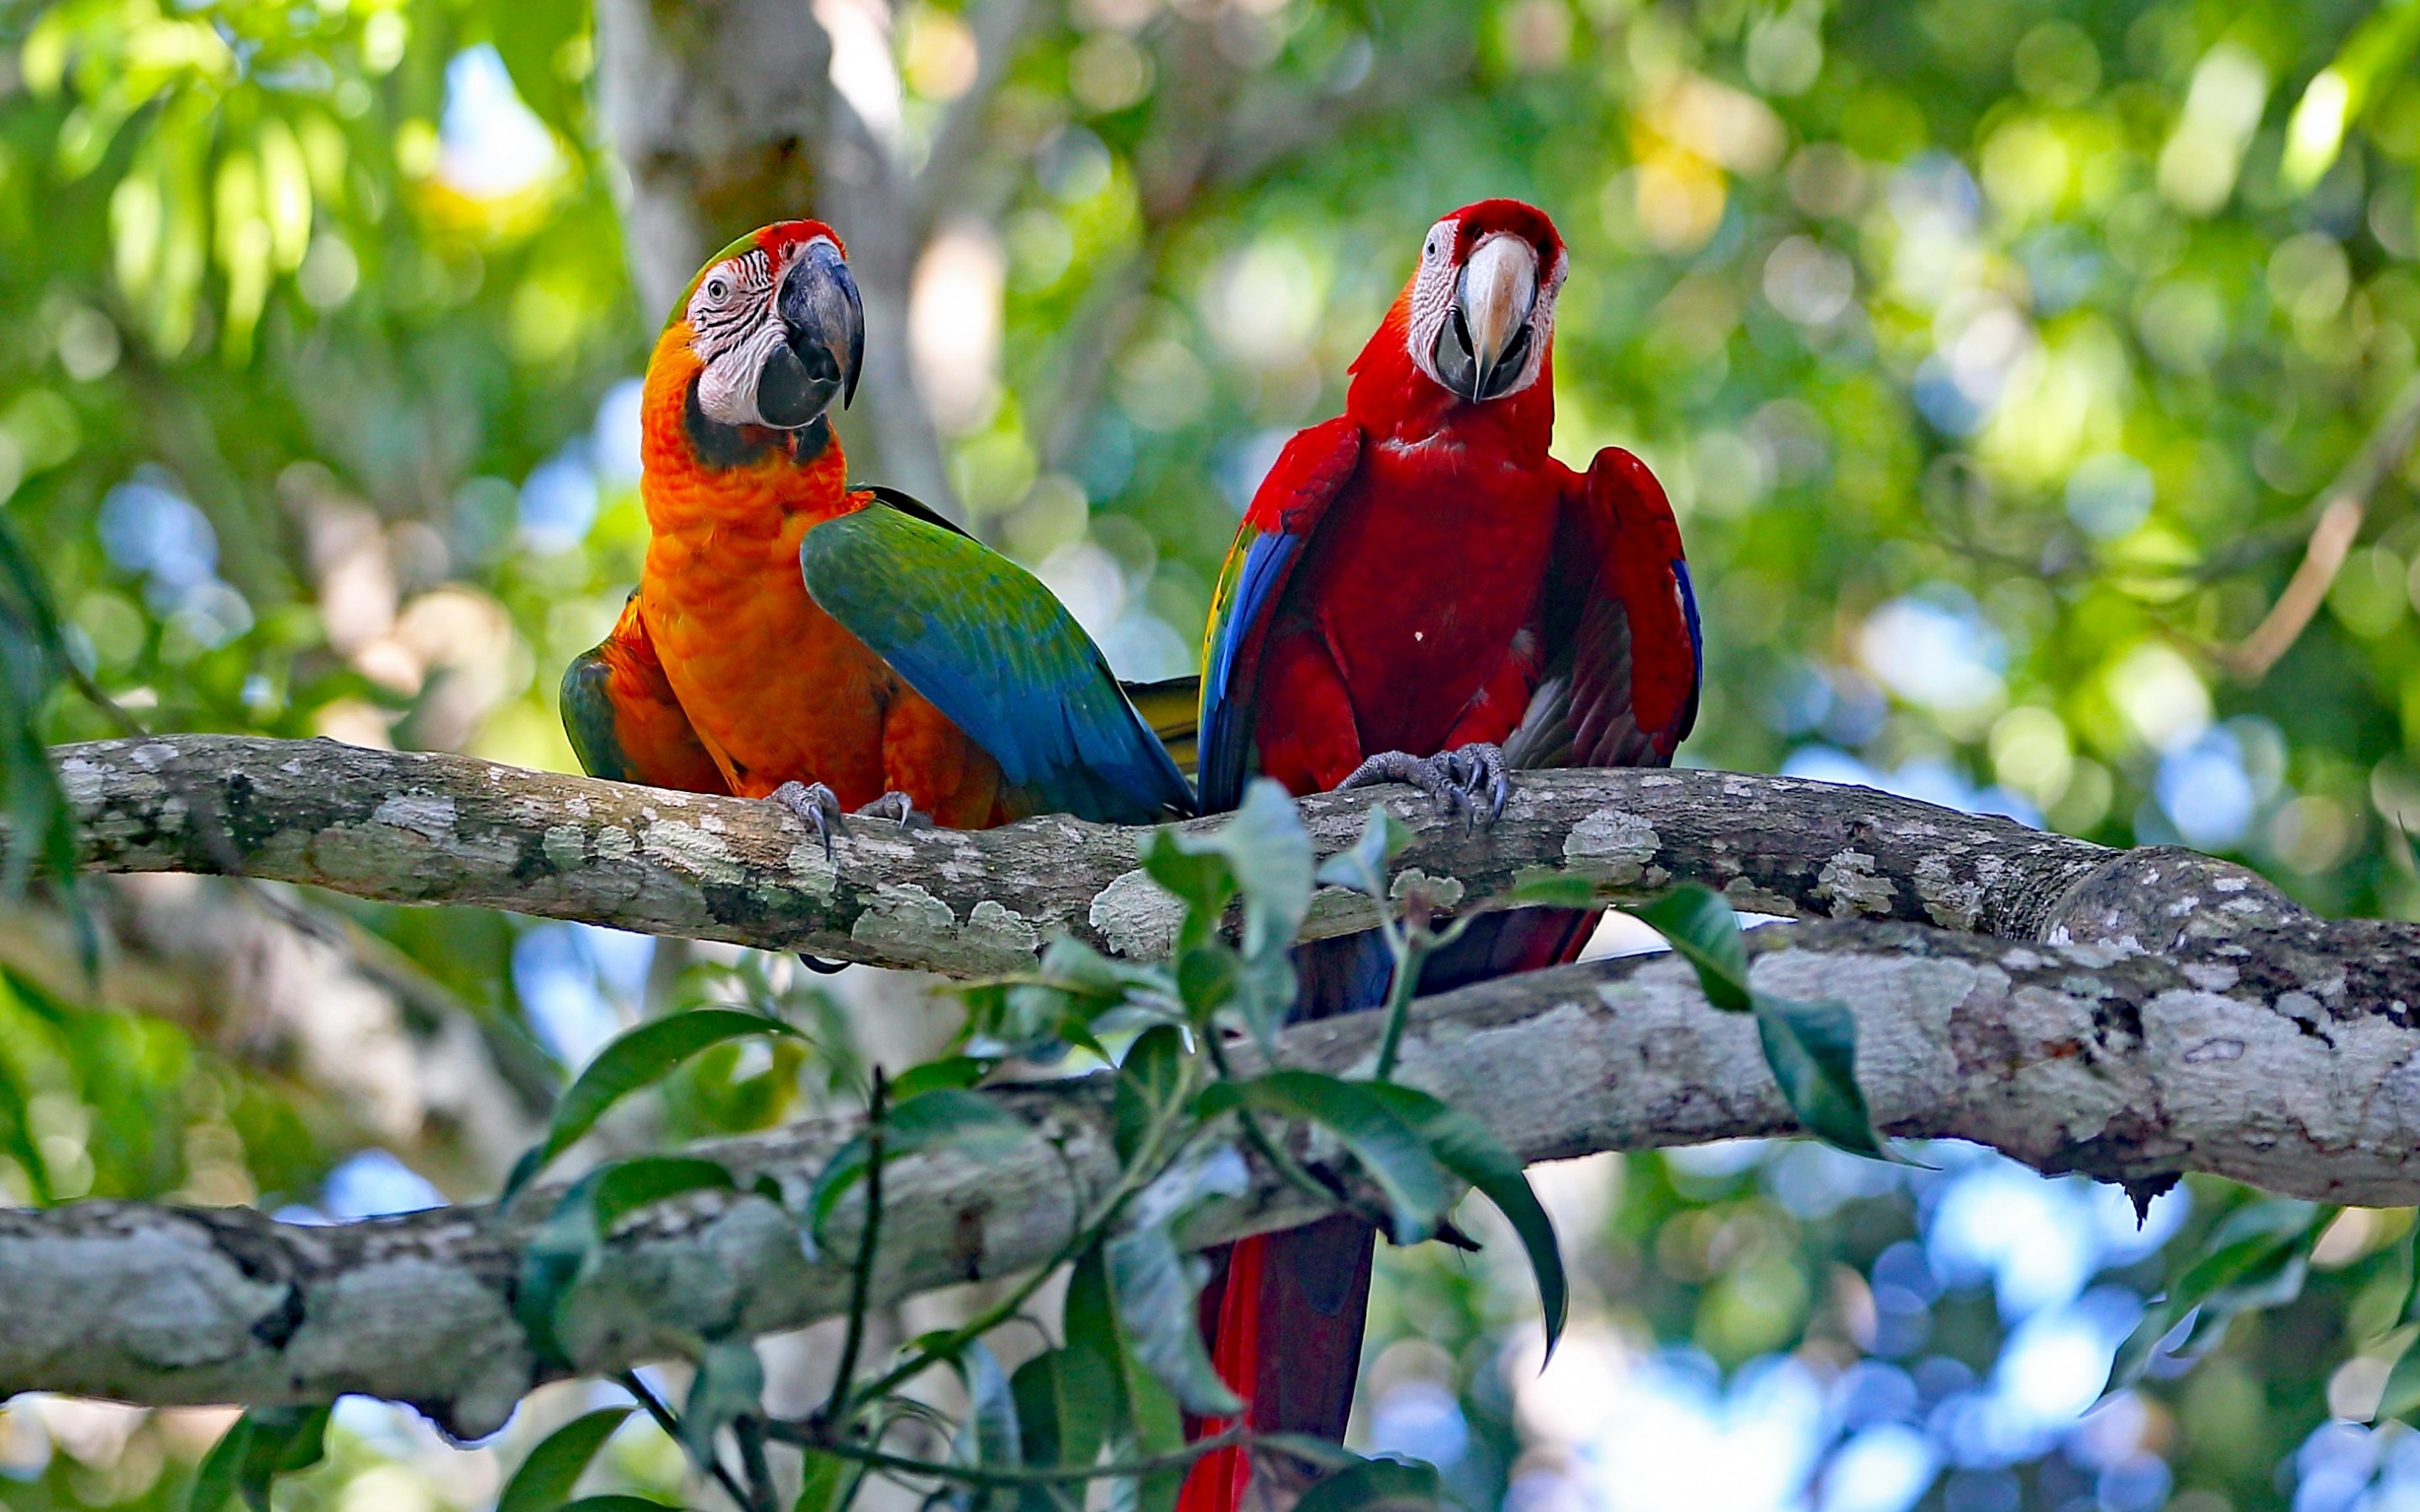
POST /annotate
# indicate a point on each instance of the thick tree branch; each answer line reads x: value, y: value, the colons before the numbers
x: 2285, y: 1055
x: 411, y: 827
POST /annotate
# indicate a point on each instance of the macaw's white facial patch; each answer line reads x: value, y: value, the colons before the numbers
x: 734, y: 331
x: 1498, y: 293
x: 1433, y: 291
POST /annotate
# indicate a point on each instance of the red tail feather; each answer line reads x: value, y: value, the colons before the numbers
x: 1288, y: 1340
x: 1217, y: 1481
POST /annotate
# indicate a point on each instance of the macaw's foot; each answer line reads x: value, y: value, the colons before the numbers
x: 1469, y: 780
x: 817, y: 806
x: 898, y: 806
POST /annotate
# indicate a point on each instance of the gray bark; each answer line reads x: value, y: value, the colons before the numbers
x: 2282, y: 1054
x: 422, y: 827
x: 716, y: 110
x: 2140, y: 1013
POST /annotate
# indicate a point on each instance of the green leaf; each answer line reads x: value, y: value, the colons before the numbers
x: 264, y: 1444
x: 1074, y: 986
x: 1705, y: 933
x: 1037, y: 1423
x: 1209, y: 976
x: 2256, y: 1257
x: 544, y: 1481
x: 978, y: 1125
x: 1092, y: 1408
x: 1471, y: 1151
x: 1317, y: 1452
x: 1541, y: 888
x: 960, y: 1071
x: 2245, y: 1245
x: 214, y: 1479
x: 2410, y: 1275
x: 553, y: 1261
x: 992, y: 1435
x: 1149, y: 1422
x: 17, y: 1133
x: 1392, y: 1483
x: 820, y: 1480
x: 1154, y: 1283
x: 626, y: 1186
x: 1270, y: 853
x: 1363, y: 868
x: 1150, y: 1079
x: 1393, y: 1152
x: 2401, y: 1397
x: 729, y: 1383
x: 1035, y: 1388
x: 1263, y: 852
x: 1812, y: 1048
x: 635, y: 1059
x: 564, y: 1246
x: 530, y: 36
x: 1197, y: 877
x: 615, y: 1502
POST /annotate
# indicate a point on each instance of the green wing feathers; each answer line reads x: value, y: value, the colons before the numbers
x: 996, y: 651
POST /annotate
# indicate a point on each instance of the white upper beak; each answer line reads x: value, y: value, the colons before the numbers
x: 1499, y: 284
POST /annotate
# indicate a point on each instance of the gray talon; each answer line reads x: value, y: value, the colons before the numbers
x: 897, y: 806
x: 1454, y: 778
x: 817, y: 807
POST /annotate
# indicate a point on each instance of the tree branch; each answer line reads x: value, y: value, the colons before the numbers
x: 2335, y: 521
x: 2284, y: 1054
x: 416, y: 828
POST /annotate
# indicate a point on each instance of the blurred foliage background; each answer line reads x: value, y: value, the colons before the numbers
x: 1998, y: 354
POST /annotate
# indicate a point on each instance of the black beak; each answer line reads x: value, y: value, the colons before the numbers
x: 823, y: 322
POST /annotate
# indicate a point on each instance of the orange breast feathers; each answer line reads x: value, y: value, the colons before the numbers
x: 775, y: 688
x: 658, y: 744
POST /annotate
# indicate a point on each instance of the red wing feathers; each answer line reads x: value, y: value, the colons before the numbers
x: 1623, y: 688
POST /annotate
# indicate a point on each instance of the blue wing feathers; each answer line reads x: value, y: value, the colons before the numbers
x: 1688, y: 719
x: 1225, y: 725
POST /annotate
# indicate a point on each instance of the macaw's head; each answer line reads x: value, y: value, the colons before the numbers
x: 772, y: 328
x: 1479, y: 311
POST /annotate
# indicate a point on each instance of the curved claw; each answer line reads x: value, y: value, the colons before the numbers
x: 896, y: 805
x: 817, y: 806
x: 1455, y: 779
x: 1480, y: 765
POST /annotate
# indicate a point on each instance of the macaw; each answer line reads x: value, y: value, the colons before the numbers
x: 837, y: 650
x: 1420, y: 594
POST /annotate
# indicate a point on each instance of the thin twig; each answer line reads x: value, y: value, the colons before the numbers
x: 670, y: 1422
x: 1408, y: 962
x: 861, y: 1279
x: 1272, y: 1151
x: 809, y: 1438
x: 1149, y: 1157
x: 2342, y: 509
x: 750, y: 1431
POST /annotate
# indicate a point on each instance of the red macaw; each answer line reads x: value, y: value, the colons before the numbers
x: 833, y: 648
x: 1420, y: 594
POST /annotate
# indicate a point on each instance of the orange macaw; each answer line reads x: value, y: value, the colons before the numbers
x: 835, y: 649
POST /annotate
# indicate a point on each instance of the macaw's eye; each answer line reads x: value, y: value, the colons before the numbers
x: 717, y: 289
x: 1431, y: 253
